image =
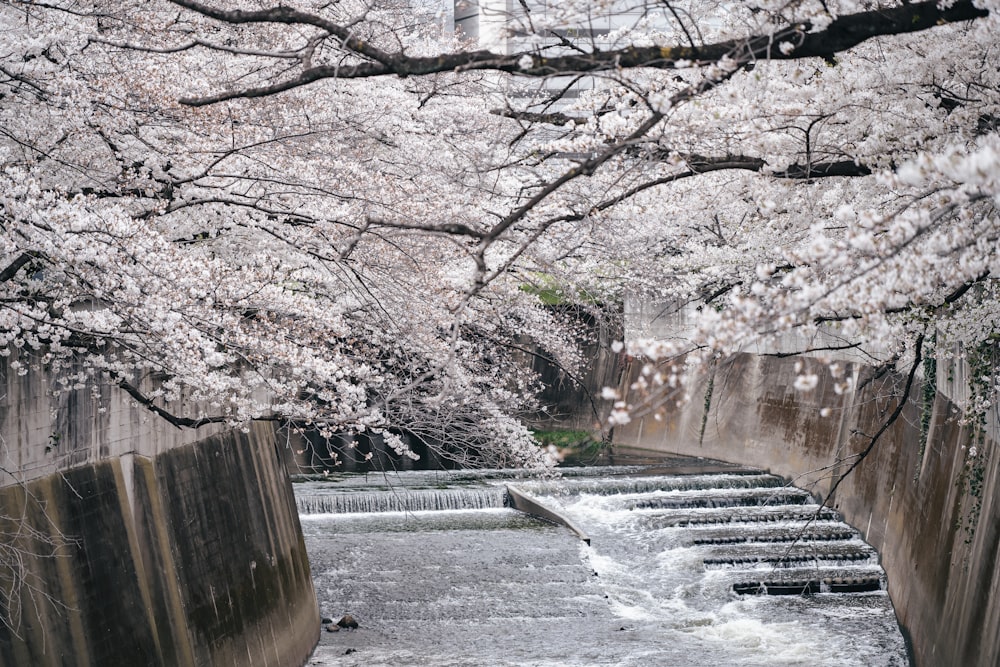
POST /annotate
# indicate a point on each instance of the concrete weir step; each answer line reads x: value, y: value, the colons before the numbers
x: 761, y: 515
x: 726, y: 499
x: 718, y: 483
x: 790, y: 537
x: 785, y: 560
x: 809, y: 586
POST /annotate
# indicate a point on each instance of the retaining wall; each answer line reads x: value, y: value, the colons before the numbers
x: 933, y: 514
x: 129, y: 542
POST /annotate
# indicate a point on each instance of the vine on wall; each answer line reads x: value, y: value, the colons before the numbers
x: 926, y: 407
x: 982, y: 361
x: 708, y: 403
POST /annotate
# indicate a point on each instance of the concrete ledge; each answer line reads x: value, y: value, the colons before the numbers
x: 522, y: 502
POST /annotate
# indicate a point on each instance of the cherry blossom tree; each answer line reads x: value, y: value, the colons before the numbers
x: 225, y: 265
x: 335, y: 212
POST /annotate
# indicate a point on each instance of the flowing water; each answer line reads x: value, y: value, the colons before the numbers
x: 707, y: 569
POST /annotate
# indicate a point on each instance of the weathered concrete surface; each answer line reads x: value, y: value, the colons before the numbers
x: 47, y: 426
x: 160, y: 551
x: 523, y: 502
x: 194, y: 557
x: 934, y: 518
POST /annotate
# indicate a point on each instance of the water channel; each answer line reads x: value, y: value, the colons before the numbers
x: 720, y: 567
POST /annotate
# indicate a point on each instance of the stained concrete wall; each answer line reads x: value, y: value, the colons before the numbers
x: 128, y: 542
x: 933, y: 515
x: 47, y: 425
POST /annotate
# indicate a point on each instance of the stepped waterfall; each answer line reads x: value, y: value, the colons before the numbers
x: 733, y: 568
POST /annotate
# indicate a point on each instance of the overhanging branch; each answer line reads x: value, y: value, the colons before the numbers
x: 700, y: 164
x: 948, y: 300
x: 179, y: 422
x: 917, y: 358
x: 790, y: 43
x: 19, y: 262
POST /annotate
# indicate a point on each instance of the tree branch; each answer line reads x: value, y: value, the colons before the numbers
x: 11, y: 270
x: 949, y: 299
x: 572, y: 376
x: 791, y: 43
x: 917, y: 358
x: 700, y: 164
x: 551, y: 118
x: 290, y: 16
x: 179, y: 422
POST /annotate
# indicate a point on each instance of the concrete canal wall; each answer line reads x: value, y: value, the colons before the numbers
x: 930, y: 508
x: 126, y: 541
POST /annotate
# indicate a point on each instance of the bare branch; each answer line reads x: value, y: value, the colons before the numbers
x: 195, y: 43
x: 917, y: 358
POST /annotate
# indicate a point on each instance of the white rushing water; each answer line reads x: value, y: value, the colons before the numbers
x: 656, y: 587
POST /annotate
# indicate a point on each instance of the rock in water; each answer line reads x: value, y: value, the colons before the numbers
x: 347, y: 621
